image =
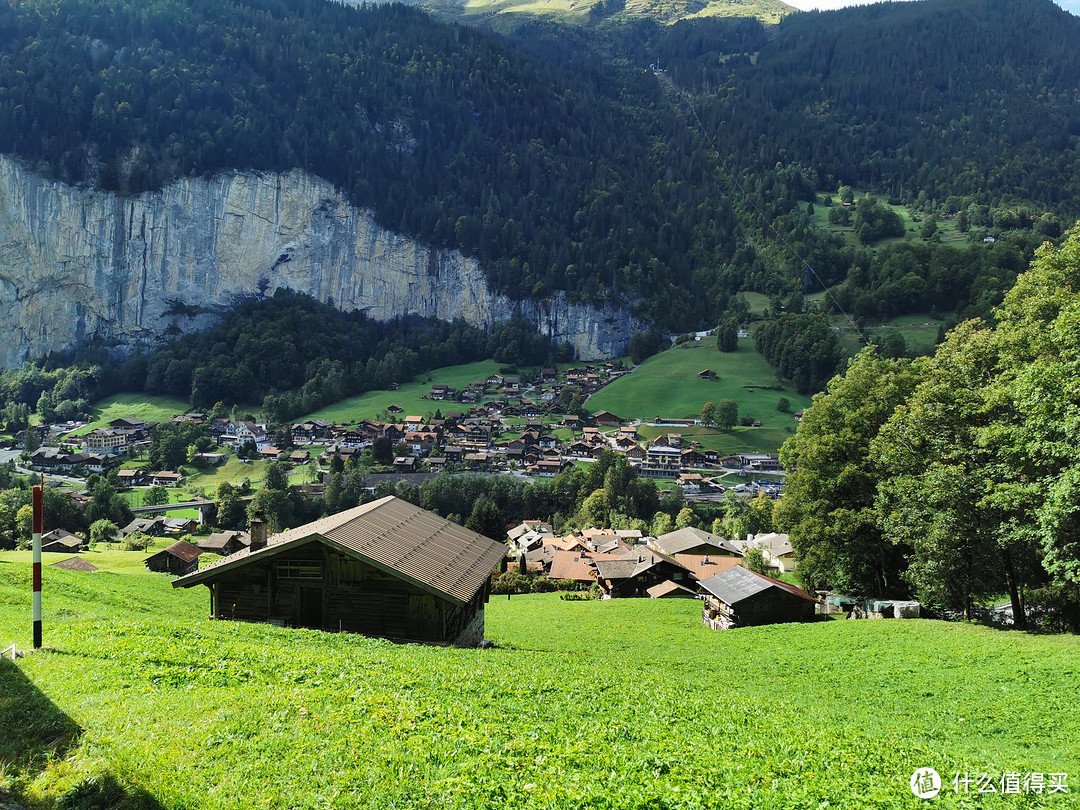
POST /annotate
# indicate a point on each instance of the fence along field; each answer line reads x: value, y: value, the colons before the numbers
x: 582, y: 704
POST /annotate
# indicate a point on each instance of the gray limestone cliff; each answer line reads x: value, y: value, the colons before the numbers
x: 78, y: 264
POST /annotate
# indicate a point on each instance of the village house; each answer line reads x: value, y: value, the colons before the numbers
x: 309, y: 431
x: 225, y: 543
x: 777, y: 548
x: 638, y: 571
x: 130, y: 478
x: 701, y: 552
x: 386, y: 568
x: 165, y: 478
x: 741, y: 598
x: 606, y: 419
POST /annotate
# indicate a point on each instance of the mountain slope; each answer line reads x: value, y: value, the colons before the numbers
x: 555, y: 178
x: 966, y: 98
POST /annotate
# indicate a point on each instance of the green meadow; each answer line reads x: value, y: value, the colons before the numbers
x: 148, y: 407
x: 667, y: 385
x: 947, y: 232
x: 140, y: 701
x: 410, y: 396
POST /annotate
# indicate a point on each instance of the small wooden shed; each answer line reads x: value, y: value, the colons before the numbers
x: 741, y: 598
x: 386, y: 568
x: 178, y: 559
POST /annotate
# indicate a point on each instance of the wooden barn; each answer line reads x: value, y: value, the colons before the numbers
x: 61, y: 540
x: 740, y: 598
x: 385, y: 568
x: 180, y: 558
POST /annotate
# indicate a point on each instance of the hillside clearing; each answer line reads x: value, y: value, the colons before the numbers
x: 667, y: 385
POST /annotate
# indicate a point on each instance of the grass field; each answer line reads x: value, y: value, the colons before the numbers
x: 147, y: 407
x: 140, y: 701
x: 920, y: 332
x: 409, y: 396
x: 947, y: 232
x: 667, y: 385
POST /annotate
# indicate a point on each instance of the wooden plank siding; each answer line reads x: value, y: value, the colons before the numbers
x: 315, y: 586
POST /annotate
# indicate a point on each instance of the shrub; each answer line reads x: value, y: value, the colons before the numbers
x: 136, y: 541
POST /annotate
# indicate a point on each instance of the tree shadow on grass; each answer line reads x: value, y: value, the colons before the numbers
x: 33, y: 730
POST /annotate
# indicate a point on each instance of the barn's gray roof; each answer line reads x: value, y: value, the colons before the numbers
x: 738, y: 583
x: 418, y: 546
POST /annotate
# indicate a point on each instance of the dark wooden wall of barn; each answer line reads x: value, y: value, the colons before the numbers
x: 315, y: 586
x: 772, y: 607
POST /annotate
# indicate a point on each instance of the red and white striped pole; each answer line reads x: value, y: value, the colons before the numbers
x: 39, y: 524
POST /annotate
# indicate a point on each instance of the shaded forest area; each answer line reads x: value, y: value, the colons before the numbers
x: 557, y: 177
x: 967, y: 99
x: 557, y: 158
x: 289, y: 353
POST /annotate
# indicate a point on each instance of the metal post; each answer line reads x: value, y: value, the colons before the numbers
x: 39, y: 523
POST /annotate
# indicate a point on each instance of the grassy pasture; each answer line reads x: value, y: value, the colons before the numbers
x: 147, y: 407
x: 141, y: 700
x: 947, y: 232
x: 409, y: 396
x: 667, y: 385
x: 919, y: 331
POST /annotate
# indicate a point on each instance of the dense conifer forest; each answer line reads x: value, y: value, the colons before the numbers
x: 557, y: 157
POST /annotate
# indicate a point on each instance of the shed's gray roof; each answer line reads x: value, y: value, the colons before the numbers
x: 436, y: 555
x: 75, y: 564
x: 738, y: 583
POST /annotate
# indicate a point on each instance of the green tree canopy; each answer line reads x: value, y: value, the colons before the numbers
x: 828, y: 504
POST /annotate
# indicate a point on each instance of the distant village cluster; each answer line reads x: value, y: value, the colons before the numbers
x: 514, y: 429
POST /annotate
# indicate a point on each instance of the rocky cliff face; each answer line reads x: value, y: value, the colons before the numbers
x: 78, y: 264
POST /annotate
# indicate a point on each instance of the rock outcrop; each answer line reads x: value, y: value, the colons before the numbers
x: 77, y: 264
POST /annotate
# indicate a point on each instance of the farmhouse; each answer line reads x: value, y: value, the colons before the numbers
x: 740, y: 598
x: 225, y: 543
x: 386, y: 568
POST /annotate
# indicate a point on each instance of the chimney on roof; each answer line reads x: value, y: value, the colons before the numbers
x: 257, y: 530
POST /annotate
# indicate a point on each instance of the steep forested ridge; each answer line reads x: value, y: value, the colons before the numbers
x: 556, y: 178
x: 557, y: 158
x: 964, y: 98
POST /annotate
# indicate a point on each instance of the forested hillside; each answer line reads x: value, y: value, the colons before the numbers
x: 959, y: 101
x: 559, y: 160
x: 555, y: 176
x: 954, y: 477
